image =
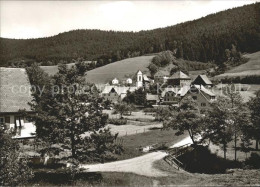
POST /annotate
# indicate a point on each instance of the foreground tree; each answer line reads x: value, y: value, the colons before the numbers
x: 254, y: 106
x: 121, y: 108
x: 186, y: 118
x: 238, y: 113
x: 138, y: 97
x: 219, y: 125
x: 69, y: 114
x: 13, y: 169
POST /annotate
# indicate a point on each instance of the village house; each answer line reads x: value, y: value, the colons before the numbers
x: 179, y: 79
x: 161, y: 76
x: 199, y: 93
x: 202, y: 80
x: 115, y: 81
x: 152, y: 99
x: 15, y: 96
x: 127, y: 81
x: 116, y: 93
x: 169, y: 96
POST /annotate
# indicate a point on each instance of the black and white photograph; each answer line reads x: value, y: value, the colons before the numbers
x: 105, y: 93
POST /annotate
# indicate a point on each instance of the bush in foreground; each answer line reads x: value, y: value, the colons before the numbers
x: 115, y: 121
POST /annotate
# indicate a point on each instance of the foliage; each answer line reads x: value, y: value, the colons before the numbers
x: 13, y: 169
x: 186, y: 118
x: 39, y: 80
x: 121, y: 108
x: 219, y: 129
x: 202, y: 160
x: 204, y: 39
x: 68, y: 109
x: 253, y: 160
x: 116, y: 121
x: 148, y: 110
x: 163, y: 59
x: 249, y: 79
x: 138, y: 97
x: 162, y: 113
x: 153, y: 69
x: 238, y: 113
x: 254, y: 106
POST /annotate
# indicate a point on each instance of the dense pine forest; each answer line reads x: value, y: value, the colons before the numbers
x: 204, y: 40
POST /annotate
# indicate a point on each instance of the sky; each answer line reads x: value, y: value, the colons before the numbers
x: 35, y: 19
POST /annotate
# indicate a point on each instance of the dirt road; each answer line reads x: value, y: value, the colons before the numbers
x: 142, y: 165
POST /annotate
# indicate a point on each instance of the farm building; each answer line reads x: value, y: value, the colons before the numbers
x: 169, y: 96
x: 199, y: 93
x: 15, y: 96
x: 116, y: 93
x: 179, y: 79
x: 152, y: 99
x: 202, y: 80
x: 115, y: 81
x: 161, y: 76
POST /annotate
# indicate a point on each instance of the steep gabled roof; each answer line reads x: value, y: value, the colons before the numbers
x: 162, y: 73
x: 204, y: 78
x: 204, y: 90
x: 146, y: 78
x: 14, y: 90
x: 183, y: 91
x: 180, y: 75
x: 118, y: 89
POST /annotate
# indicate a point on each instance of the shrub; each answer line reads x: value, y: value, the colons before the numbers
x: 148, y: 110
x: 115, y: 121
x: 253, y: 161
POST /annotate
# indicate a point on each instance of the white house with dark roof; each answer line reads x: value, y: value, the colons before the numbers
x: 199, y: 93
x: 115, y: 81
x: 116, y: 93
x: 15, y: 96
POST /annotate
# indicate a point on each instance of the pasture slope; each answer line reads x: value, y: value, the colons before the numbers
x: 120, y: 69
x: 252, y: 67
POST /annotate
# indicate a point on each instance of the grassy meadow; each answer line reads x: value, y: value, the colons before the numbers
x: 252, y: 67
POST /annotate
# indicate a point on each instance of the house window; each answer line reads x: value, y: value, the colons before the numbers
x: 194, y: 97
x: 2, y: 120
x: 212, y: 97
x: 203, y: 104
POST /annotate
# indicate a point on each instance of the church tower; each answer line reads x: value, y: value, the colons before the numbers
x: 139, y: 81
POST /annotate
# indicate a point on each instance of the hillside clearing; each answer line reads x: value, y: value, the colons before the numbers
x: 252, y: 67
x: 120, y: 69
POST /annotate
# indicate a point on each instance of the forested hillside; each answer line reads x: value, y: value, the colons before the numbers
x: 203, y: 40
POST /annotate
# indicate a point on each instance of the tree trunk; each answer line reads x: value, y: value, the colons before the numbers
x: 225, y: 151
x: 73, y: 150
x: 235, y: 146
x: 256, y: 144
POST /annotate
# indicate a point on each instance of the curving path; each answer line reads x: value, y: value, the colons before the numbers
x: 142, y: 165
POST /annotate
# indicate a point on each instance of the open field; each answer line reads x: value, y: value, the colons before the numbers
x: 246, y: 90
x: 132, y: 143
x: 133, y: 127
x: 138, y: 116
x: 252, y: 67
x: 120, y: 69
x: 51, y: 70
